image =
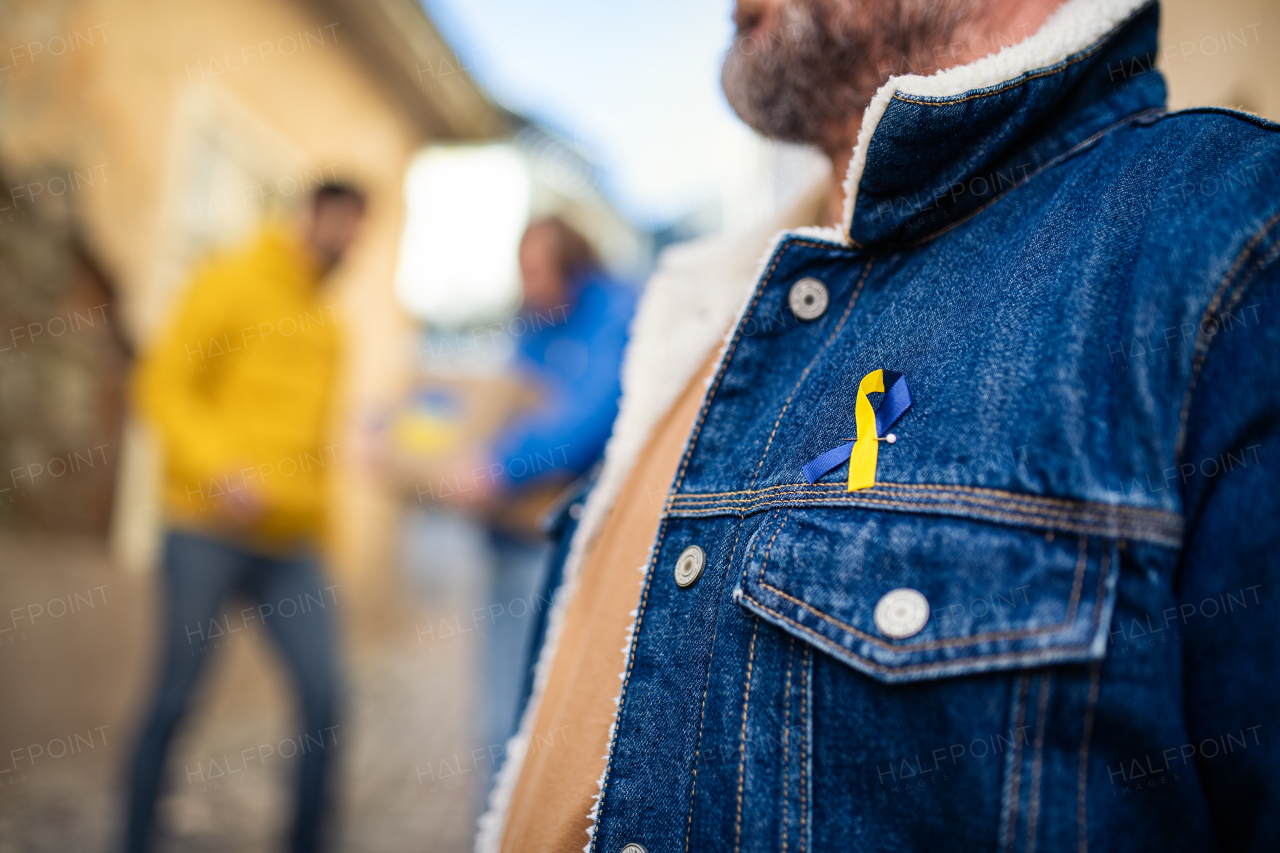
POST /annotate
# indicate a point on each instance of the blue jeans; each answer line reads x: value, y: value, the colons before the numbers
x: 292, y: 603
x: 514, y: 609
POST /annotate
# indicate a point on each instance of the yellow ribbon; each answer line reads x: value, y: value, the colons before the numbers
x: 862, y: 461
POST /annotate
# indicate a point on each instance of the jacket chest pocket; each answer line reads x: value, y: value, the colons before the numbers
x: 905, y: 597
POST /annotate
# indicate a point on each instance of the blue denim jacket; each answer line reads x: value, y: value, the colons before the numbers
x: 1081, y: 291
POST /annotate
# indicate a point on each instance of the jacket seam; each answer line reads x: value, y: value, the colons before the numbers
x: 1037, y: 761
x: 996, y: 511
x: 1077, y: 585
x: 684, y: 464
x: 1203, y: 341
x: 806, y: 755
x: 786, y: 743
x: 1010, y: 85
x: 1028, y: 507
x: 1057, y: 654
x: 1034, y: 504
x: 783, y: 518
x: 978, y: 490
x: 1015, y: 760
x: 742, y: 735
x: 1057, y: 68
x: 706, y: 684
x: 1044, y: 521
x: 1082, y: 777
x: 1104, y: 575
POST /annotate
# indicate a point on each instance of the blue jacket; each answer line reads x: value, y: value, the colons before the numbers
x: 572, y: 357
x: 1051, y: 623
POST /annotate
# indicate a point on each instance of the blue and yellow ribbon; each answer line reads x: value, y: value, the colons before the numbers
x: 871, y: 423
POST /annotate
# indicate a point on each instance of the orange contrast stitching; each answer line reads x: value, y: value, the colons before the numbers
x: 1082, y: 779
x: 702, y: 712
x: 1056, y: 69
x: 786, y: 741
x: 742, y: 746
x: 829, y: 490
x: 804, y: 752
x: 703, y: 497
x: 837, y: 491
x: 1097, y: 526
x: 1042, y: 711
x: 837, y: 649
x: 1015, y: 778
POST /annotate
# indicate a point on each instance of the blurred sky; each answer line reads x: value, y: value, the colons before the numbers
x: 637, y: 84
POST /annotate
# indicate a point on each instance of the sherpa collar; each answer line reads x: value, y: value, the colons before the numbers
x: 933, y: 149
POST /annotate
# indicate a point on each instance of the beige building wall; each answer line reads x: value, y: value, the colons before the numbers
x: 1222, y: 53
x: 180, y: 124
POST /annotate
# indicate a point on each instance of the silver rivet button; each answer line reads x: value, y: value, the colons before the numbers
x: 808, y: 299
x: 634, y: 848
x: 901, y: 613
x: 689, y: 567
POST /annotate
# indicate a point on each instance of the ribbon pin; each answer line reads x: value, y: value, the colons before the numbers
x: 872, y: 424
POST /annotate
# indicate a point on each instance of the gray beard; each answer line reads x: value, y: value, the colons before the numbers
x: 808, y: 79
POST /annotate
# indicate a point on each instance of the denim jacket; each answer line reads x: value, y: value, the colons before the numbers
x: 1051, y: 623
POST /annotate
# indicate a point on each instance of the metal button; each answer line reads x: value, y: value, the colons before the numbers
x: 690, y: 565
x: 634, y: 848
x: 808, y: 299
x: 901, y: 613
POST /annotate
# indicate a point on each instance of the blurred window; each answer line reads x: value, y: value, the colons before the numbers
x: 465, y: 209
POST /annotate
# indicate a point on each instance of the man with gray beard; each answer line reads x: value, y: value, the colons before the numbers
x: 939, y: 513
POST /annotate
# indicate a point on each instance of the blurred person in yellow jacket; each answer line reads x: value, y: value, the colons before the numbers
x: 239, y: 387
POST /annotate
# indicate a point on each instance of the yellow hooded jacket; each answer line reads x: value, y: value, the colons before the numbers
x: 240, y: 387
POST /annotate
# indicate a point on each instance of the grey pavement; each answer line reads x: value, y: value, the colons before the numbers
x: 72, y: 687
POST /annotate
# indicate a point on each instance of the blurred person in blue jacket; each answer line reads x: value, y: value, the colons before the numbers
x: 569, y: 342
x: 569, y: 339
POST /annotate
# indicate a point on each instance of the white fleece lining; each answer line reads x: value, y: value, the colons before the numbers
x: 689, y: 301
x: 1075, y: 25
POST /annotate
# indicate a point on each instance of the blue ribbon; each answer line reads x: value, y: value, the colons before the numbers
x: 897, y: 399
x: 831, y: 459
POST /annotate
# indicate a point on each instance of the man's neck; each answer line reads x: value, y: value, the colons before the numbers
x: 1002, y: 22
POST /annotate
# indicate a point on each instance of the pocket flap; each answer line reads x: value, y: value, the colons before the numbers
x: 904, y: 597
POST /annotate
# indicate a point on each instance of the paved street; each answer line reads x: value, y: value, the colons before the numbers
x: 80, y: 678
